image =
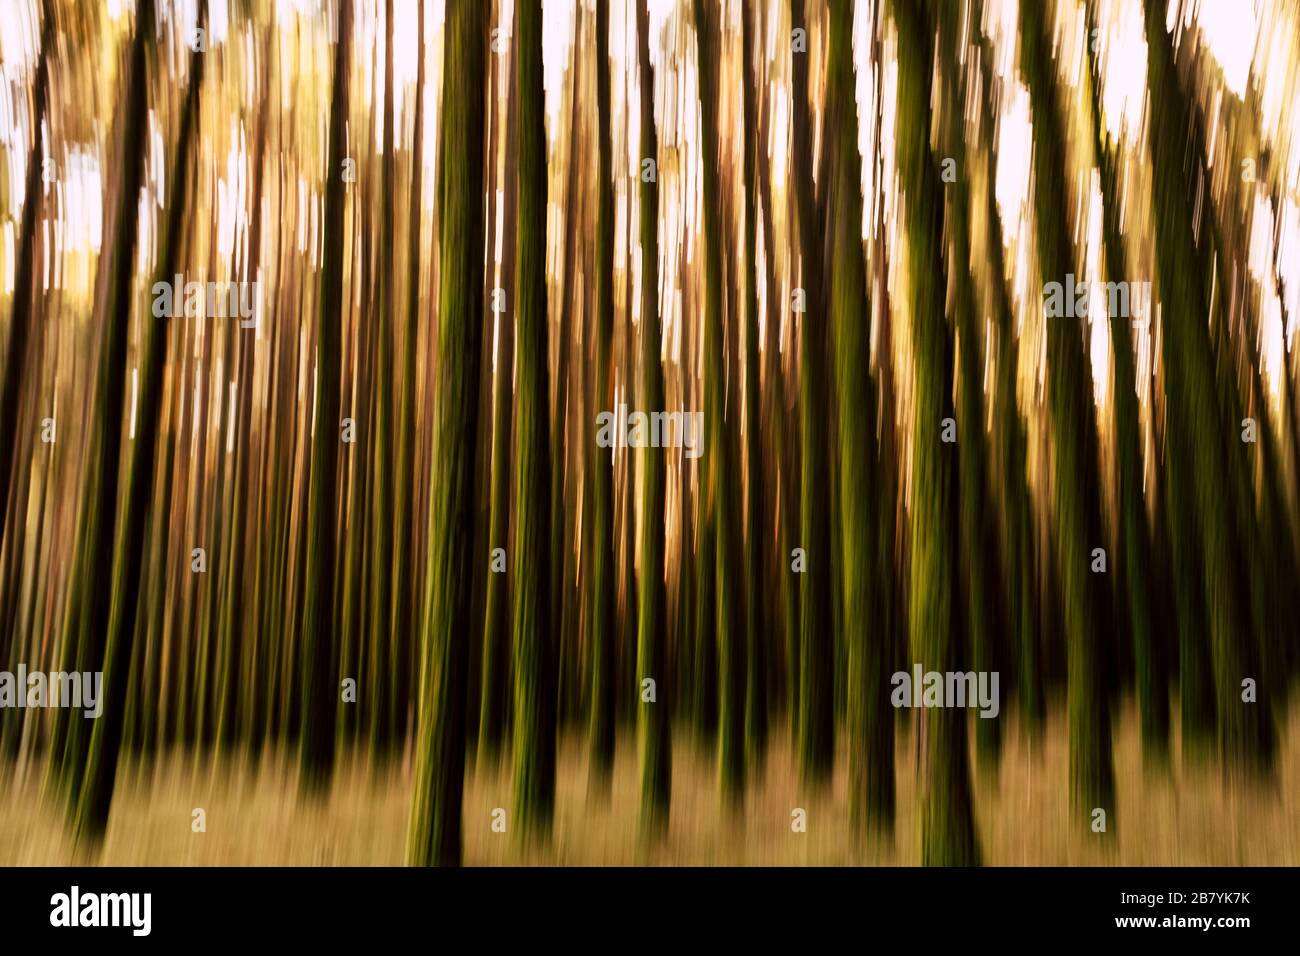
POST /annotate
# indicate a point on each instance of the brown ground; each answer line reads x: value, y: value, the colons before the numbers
x: 254, y: 817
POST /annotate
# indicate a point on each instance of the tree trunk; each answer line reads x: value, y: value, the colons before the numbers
x: 435, y: 834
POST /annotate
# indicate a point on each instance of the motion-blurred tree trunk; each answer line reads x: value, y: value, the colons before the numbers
x: 405, y: 598
x: 24, y: 272
x: 495, y: 709
x: 721, y: 503
x: 91, y: 812
x: 947, y: 820
x: 319, y: 691
x: 652, y: 622
x: 1008, y: 433
x: 816, y: 724
x: 89, y: 605
x: 866, y: 592
x: 534, y: 647
x: 1202, y: 438
x: 759, y: 627
x: 236, y: 614
x: 1136, y: 559
x: 435, y: 834
x: 566, y: 609
x: 383, y: 663
x: 599, y: 518
x: 982, y: 648
x: 1077, y: 508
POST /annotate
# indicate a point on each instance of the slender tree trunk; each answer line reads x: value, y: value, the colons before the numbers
x: 435, y: 834
x: 320, y: 692
x: 534, y: 647
x: 404, y: 596
x: 948, y: 834
x: 720, y: 486
x: 495, y: 710
x: 652, y: 644
x: 90, y: 603
x: 601, y: 580
x: 1135, y: 558
x: 870, y: 716
x: 759, y: 626
x: 816, y: 725
x: 383, y: 680
x: 1075, y: 462
x: 25, y: 269
x: 91, y: 812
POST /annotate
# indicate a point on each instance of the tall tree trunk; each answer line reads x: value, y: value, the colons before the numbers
x: 1202, y: 436
x: 652, y: 622
x: 90, y: 602
x: 870, y: 716
x: 534, y: 648
x: 320, y: 692
x: 759, y: 627
x: 495, y: 710
x: 1075, y: 462
x: 435, y: 834
x: 404, y: 593
x: 1136, y: 558
x: 948, y: 834
x: 601, y: 582
x: 24, y: 272
x: 91, y: 812
x: 982, y: 647
x: 384, y: 666
x: 720, y: 486
x: 816, y: 641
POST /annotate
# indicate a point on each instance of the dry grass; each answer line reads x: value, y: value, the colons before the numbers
x: 1187, y: 816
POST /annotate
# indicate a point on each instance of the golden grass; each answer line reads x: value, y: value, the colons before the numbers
x: 1186, y: 816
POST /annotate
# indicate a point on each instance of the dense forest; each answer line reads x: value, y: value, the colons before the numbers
x: 590, y: 391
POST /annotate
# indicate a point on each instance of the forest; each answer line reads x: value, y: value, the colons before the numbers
x: 480, y: 432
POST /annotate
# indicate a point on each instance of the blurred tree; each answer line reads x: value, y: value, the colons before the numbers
x: 435, y: 834
x: 652, y: 620
x: 534, y: 647
x: 948, y: 834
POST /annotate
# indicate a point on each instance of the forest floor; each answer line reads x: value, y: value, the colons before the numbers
x: 1186, y: 815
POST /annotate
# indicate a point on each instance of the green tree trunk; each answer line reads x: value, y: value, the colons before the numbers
x: 1136, y: 557
x: 435, y: 834
x: 91, y: 811
x: 89, y: 604
x: 1203, y: 437
x: 982, y: 647
x: 816, y: 728
x: 948, y: 834
x: 1075, y: 462
x: 320, y: 692
x: 534, y: 649
x: 870, y: 715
